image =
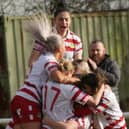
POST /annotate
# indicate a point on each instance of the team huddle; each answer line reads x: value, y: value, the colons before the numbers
x: 62, y: 90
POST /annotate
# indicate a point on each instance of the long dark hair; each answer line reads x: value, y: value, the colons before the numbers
x: 93, y: 80
x: 61, y: 8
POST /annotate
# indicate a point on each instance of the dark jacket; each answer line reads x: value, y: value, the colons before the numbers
x: 112, y: 71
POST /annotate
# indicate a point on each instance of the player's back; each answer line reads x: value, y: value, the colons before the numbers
x: 41, y: 69
x: 58, y: 99
x: 111, y: 116
x: 113, y: 105
x: 37, y: 77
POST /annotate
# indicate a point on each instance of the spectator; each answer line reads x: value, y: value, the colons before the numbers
x: 100, y: 60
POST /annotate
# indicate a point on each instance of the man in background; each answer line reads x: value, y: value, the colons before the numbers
x: 100, y: 60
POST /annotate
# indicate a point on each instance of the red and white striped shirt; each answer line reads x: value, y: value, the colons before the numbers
x: 58, y: 99
x: 31, y: 90
x: 73, y: 46
x: 39, y: 46
x: 41, y: 69
x: 109, y: 114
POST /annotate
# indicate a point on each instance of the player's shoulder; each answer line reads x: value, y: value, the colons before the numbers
x: 42, y: 58
x: 66, y: 86
x: 69, y: 87
x: 74, y: 36
x: 47, y: 57
x: 108, y: 94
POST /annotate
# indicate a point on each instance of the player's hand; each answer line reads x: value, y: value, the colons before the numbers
x: 73, y: 80
x: 92, y: 64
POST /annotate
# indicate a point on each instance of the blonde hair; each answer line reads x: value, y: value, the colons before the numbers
x: 81, y: 67
x: 40, y: 28
x: 54, y: 41
x: 66, y: 65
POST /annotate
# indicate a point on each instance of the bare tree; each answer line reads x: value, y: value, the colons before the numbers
x: 28, y: 7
